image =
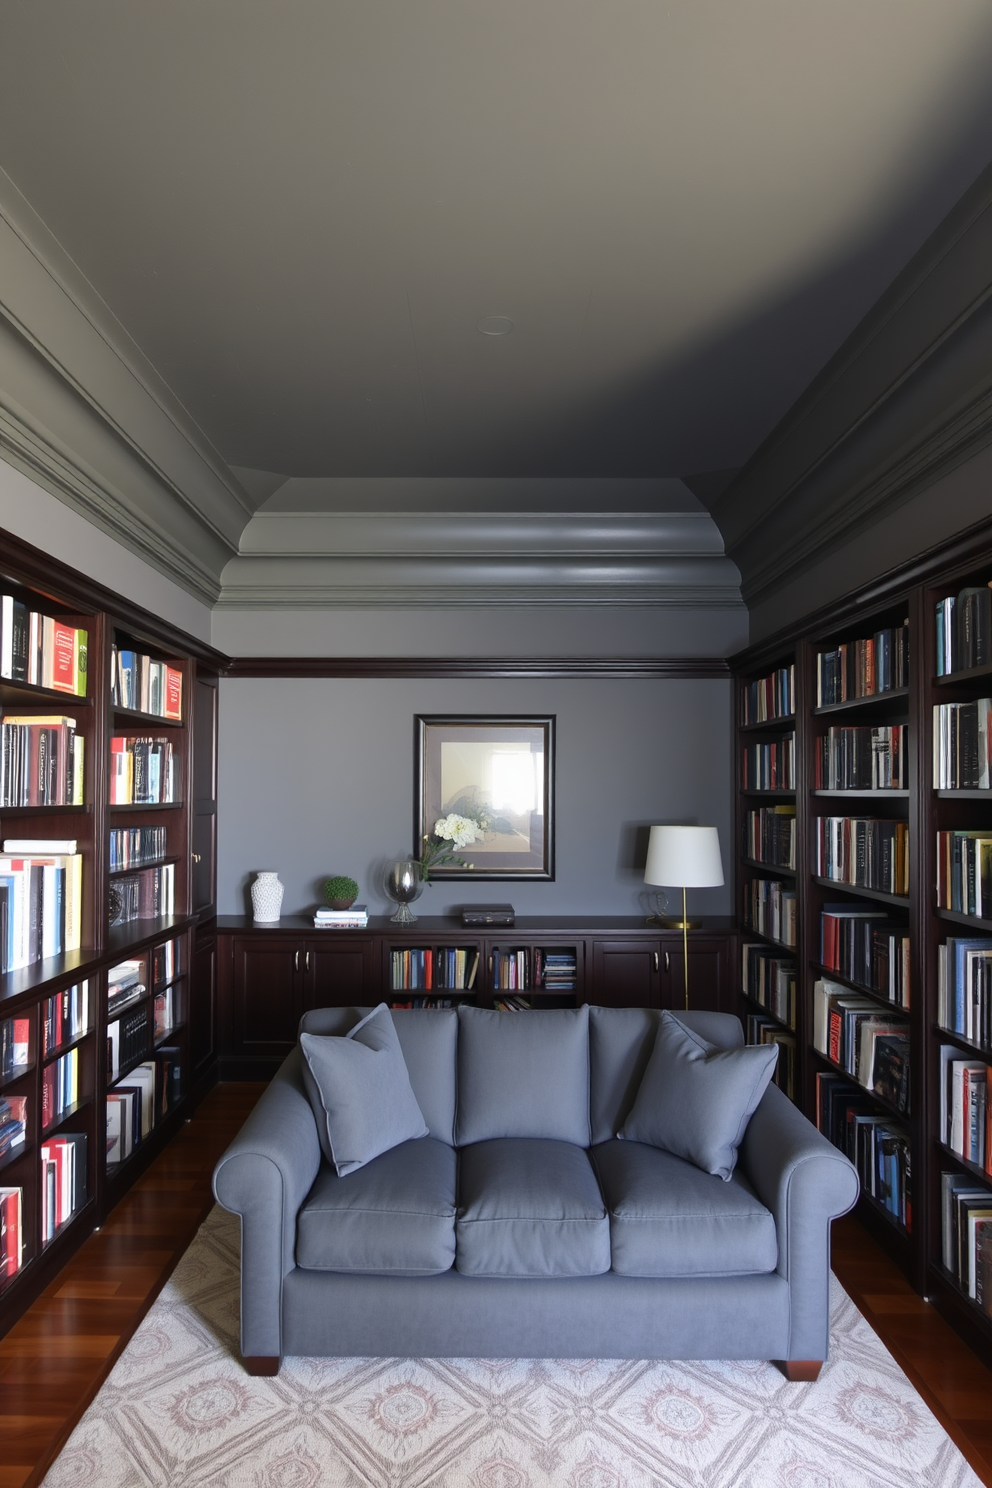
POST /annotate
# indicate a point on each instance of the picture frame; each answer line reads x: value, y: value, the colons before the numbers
x: 498, y: 771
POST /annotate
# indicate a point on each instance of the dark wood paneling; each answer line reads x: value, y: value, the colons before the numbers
x: 626, y: 973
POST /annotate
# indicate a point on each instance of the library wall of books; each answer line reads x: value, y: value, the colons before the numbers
x: 864, y: 765
x: 95, y: 922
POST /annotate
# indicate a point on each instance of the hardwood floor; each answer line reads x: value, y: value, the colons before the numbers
x: 54, y: 1360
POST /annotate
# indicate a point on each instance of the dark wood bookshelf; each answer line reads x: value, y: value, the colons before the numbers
x: 52, y: 588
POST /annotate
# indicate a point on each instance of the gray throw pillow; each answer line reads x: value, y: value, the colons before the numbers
x: 694, y: 1100
x: 360, y: 1092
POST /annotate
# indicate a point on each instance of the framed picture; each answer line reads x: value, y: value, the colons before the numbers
x: 496, y: 774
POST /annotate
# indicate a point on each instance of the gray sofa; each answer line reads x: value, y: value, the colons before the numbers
x: 520, y: 1227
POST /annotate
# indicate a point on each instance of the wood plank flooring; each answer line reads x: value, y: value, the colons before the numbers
x: 54, y: 1360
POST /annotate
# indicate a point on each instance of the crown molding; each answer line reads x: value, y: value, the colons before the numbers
x: 515, y: 668
x: 904, y: 401
x: 86, y: 415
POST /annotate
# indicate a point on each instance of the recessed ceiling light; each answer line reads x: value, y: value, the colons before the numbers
x: 495, y: 325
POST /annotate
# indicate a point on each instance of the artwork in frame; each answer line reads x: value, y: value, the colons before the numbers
x: 498, y: 773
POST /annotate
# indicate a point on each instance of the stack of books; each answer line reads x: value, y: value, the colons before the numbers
x: 40, y: 649
x: 355, y: 918
x: 13, y: 1122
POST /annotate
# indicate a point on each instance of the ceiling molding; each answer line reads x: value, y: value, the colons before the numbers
x: 515, y: 668
x: 86, y: 414
x: 904, y: 400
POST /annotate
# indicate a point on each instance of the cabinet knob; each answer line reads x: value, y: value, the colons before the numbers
x: 296, y: 960
x: 307, y: 961
x: 197, y: 858
x: 668, y: 963
x: 656, y: 961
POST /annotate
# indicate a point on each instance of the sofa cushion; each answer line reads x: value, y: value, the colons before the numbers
x: 529, y: 1207
x: 394, y: 1216
x: 523, y: 1075
x: 620, y: 1044
x: 667, y: 1218
x: 696, y: 1101
x: 429, y: 1040
x: 360, y: 1091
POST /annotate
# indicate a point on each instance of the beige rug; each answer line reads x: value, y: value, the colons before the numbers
x: 179, y: 1411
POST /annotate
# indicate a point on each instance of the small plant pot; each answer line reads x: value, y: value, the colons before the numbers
x: 341, y: 903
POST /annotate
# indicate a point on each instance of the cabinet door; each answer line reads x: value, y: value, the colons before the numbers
x: 268, y: 996
x: 626, y: 973
x: 203, y: 1003
x: 340, y: 972
x: 709, y: 974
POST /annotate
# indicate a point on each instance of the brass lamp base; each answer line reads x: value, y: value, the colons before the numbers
x: 676, y: 924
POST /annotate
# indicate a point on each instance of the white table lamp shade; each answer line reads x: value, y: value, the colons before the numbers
x: 684, y: 857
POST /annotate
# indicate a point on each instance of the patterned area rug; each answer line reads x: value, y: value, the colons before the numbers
x: 179, y: 1411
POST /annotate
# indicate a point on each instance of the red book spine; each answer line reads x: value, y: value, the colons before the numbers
x: 63, y: 658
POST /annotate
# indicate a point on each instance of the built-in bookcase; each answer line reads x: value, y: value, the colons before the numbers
x: 88, y: 882
x: 892, y: 1011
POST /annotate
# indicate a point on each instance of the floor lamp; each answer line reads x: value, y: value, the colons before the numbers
x: 685, y: 858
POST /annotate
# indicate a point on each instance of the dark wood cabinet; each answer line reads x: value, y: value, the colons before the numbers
x: 627, y: 973
x: 269, y: 975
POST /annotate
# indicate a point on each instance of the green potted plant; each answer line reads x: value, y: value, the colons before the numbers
x: 340, y: 891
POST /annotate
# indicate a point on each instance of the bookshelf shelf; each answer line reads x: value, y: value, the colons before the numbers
x: 970, y: 1046
x: 970, y: 922
x: 775, y: 869
x: 898, y: 901
x: 873, y: 702
x: 829, y: 975
x: 873, y: 795
x: 885, y: 1105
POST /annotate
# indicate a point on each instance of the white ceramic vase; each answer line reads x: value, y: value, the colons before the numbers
x: 266, y: 897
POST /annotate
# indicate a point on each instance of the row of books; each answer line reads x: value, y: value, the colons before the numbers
x: 15, y: 1046
x: 63, y: 1181
x: 41, y: 650
x: 65, y: 1016
x: 59, y: 1087
x: 512, y: 1004
x: 770, y: 766
x: 862, y: 668
x: 870, y: 1045
x: 134, y: 1105
x: 13, y: 1122
x: 770, y: 836
x: 964, y: 1107
x: 127, y: 1040
x: 146, y: 895
x: 40, y: 908
x: 143, y: 772
x: 555, y: 971
x: 130, y: 847
x: 964, y: 630
x: 966, y: 1236
x: 165, y: 962
x: 770, y: 980
x: 964, y: 872
x: 770, y: 909
x: 878, y: 1147
x: 164, y: 1012
x: 136, y: 681
x: 962, y: 745
x: 511, y: 971
x: 447, y: 968
x: 41, y: 761
x: 866, y: 852
x: 11, y: 1232
x: 964, y: 988
x: 865, y: 947
x: 769, y: 697
x: 425, y: 1003
x: 761, y: 1030
x: 862, y: 758
x: 125, y: 983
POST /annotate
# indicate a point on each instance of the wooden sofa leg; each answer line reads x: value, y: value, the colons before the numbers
x: 262, y: 1363
x: 800, y: 1371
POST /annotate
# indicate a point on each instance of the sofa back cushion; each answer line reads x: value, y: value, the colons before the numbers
x: 429, y: 1041
x: 523, y: 1075
x: 620, y: 1045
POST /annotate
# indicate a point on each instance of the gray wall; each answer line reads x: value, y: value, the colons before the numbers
x: 316, y: 777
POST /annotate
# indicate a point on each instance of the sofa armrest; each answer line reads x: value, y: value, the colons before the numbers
x: 264, y: 1176
x: 806, y: 1182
